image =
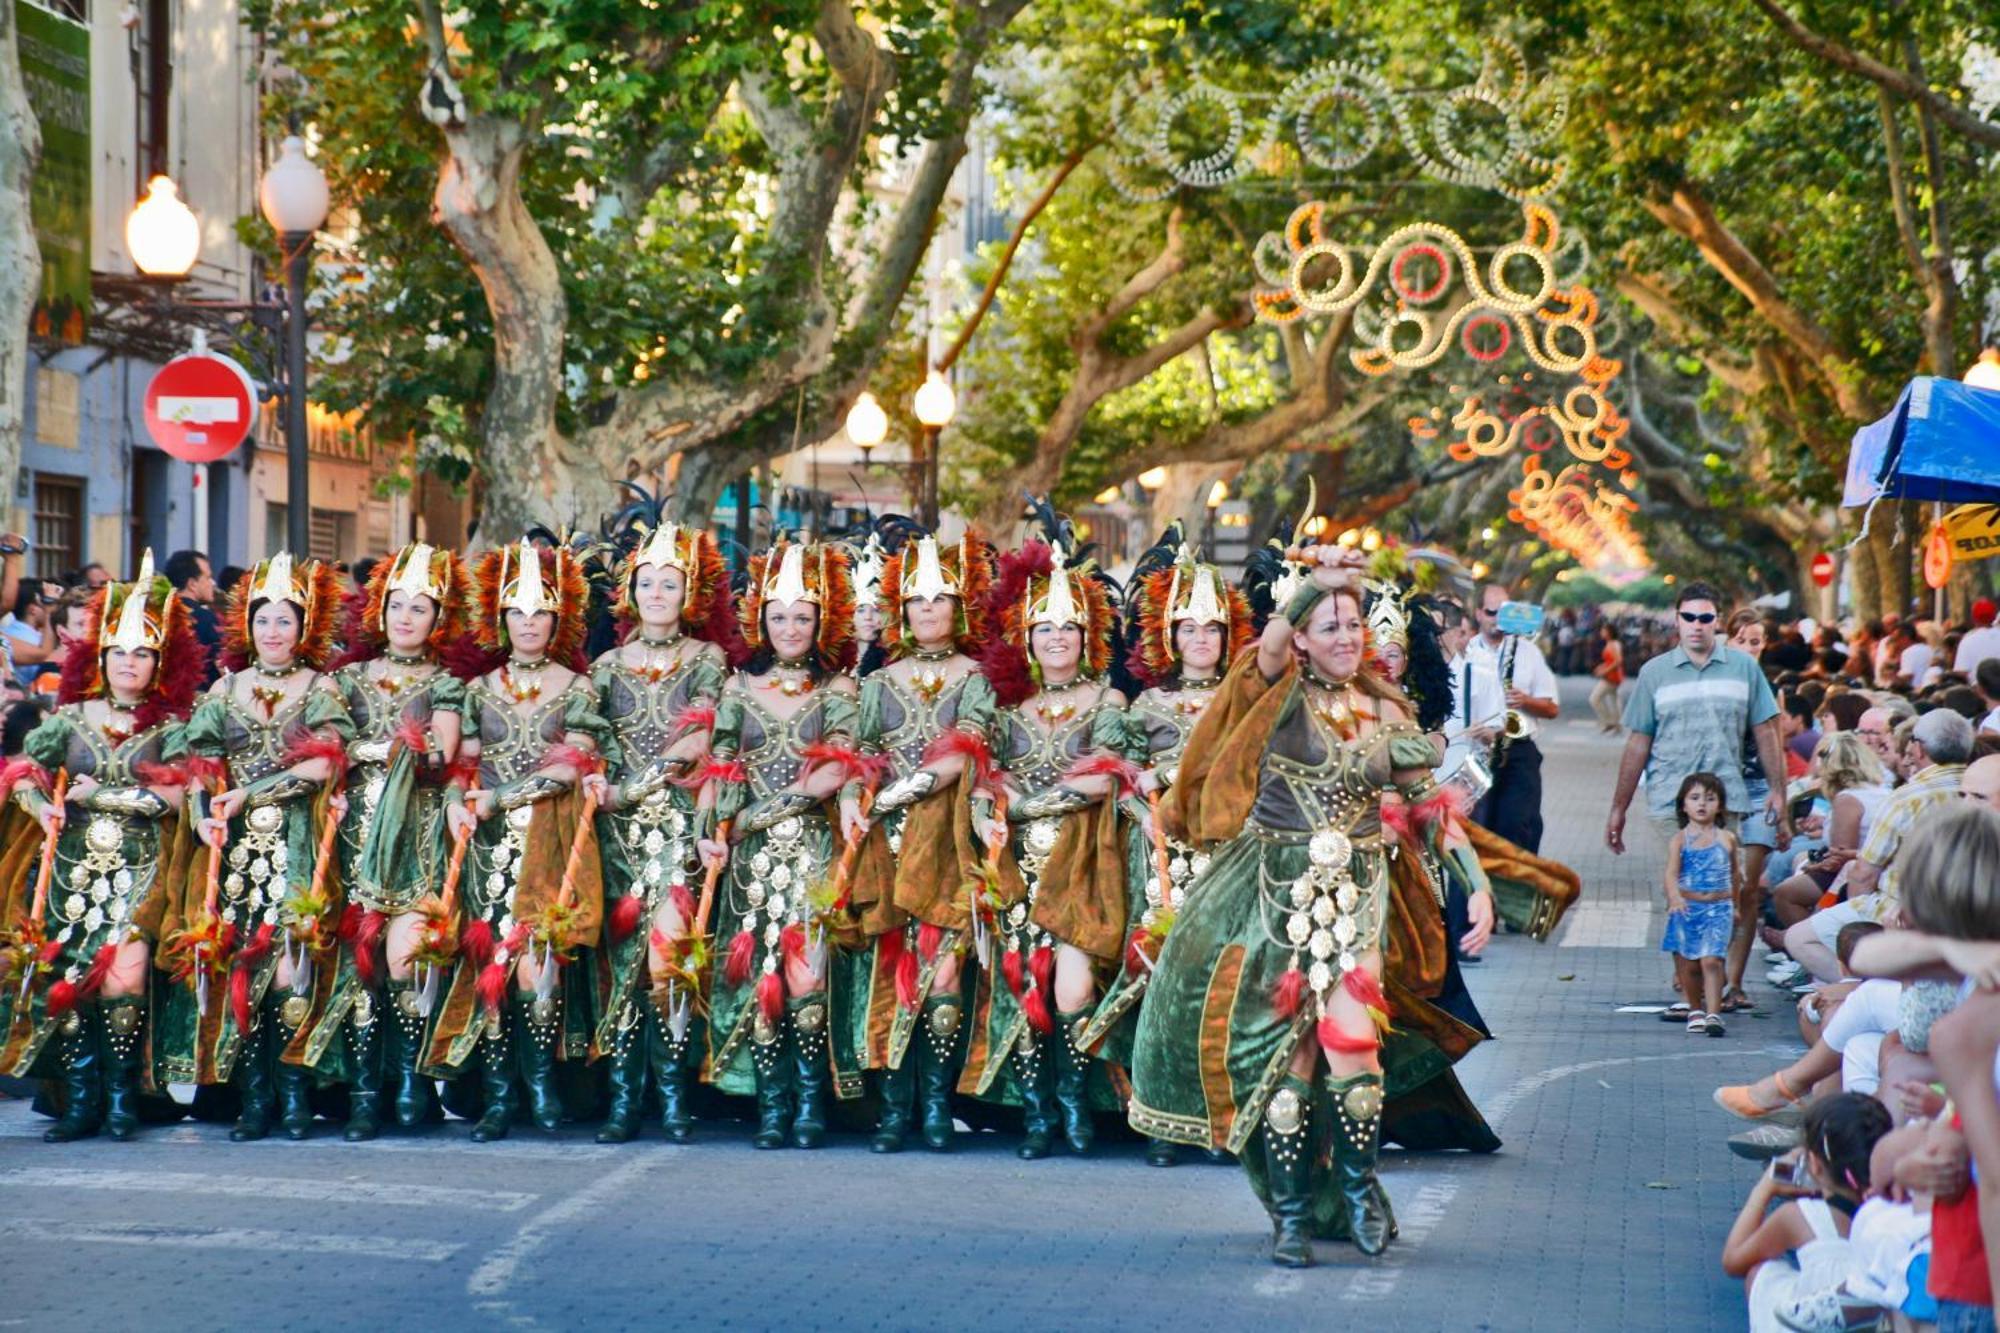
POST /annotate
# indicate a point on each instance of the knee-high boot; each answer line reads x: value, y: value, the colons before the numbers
x: 1357, y: 1139
x: 538, y: 1029
x: 1032, y: 1062
x: 808, y: 1014
x: 119, y: 1033
x: 364, y: 1040
x: 771, y: 1059
x: 282, y: 1016
x: 672, y: 1059
x: 1288, y: 1163
x: 1072, y: 1075
x: 403, y: 1056
x: 627, y: 1062
x: 253, y: 1079
x: 496, y: 1081
x: 82, y: 1075
x: 937, y: 1073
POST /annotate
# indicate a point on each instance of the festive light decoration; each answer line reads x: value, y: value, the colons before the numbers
x: 1584, y: 420
x: 1335, y: 117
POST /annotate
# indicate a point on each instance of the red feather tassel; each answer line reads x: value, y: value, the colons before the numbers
x: 350, y: 923
x: 742, y: 952
x: 314, y: 746
x: 929, y: 940
x: 462, y: 772
x: 413, y: 735
x: 965, y: 744
x: 1042, y: 966
x: 1445, y: 806
x: 1035, y: 1004
x: 368, y: 946
x: 248, y: 960
x: 1398, y: 820
x: 1010, y: 968
x: 906, y: 980
x: 62, y: 999
x: 1291, y: 992
x: 771, y: 996
x: 715, y: 770
x: 662, y: 946
x: 792, y: 943
x: 23, y: 769
x: 573, y: 756
x: 682, y: 898
x: 1136, y: 959
x: 157, y: 775
x: 100, y: 968
x: 206, y: 770
x: 625, y: 917
x: 492, y: 986
x: 1365, y: 989
x: 698, y: 717
x: 475, y: 942
x: 1333, y: 1039
x: 1116, y: 767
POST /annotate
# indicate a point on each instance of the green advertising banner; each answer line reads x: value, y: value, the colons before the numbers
x: 55, y: 65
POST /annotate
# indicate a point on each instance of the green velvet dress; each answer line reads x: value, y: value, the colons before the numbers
x: 1158, y: 724
x: 1304, y: 884
x: 513, y: 868
x: 269, y: 855
x: 772, y: 873
x: 648, y: 843
x: 108, y: 887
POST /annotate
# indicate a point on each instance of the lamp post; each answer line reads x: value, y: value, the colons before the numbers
x: 164, y: 239
x: 1216, y: 495
x: 934, y: 404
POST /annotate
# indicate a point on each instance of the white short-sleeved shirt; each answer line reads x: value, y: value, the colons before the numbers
x: 1532, y: 675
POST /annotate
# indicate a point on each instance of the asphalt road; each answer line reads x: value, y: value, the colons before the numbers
x: 1605, y: 1210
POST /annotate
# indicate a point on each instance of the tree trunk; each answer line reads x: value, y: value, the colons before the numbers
x: 20, y: 256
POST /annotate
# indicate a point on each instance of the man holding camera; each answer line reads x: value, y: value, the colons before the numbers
x: 1513, y: 807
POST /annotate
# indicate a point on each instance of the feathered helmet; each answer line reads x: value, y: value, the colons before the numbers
x: 1397, y: 609
x: 869, y: 563
x: 705, y: 605
x: 145, y: 614
x: 1175, y: 589
x: 312, y: 587
x: 927, y: 568
x: 1037, y: 586
x: 520, y: 577
x: 816, y: 572
x: 420, y: 570
x: 1269, y: 579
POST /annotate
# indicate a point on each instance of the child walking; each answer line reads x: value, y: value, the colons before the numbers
x: 1702, y: 875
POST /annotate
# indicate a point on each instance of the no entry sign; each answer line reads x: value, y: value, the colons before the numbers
x: 1822, y: 570
x: 200, y: 407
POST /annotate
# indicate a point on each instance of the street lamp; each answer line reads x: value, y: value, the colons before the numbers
x: 162, y: 234
x: 1985, y: 372
x: 1217, y: 493
x: 935, y: 403
x: 867, y: 425
x: 294, y: 198
x: 1153, y: 478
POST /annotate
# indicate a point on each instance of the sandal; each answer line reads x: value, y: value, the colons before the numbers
x: 1714, y: 1025
x: 1734, y: 1001
x: 1739, y: 1101
x: 1697, y: 1021
x: 1676, y: 1012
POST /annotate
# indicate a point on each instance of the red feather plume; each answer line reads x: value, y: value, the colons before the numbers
x: 1289, y: 994
x: 742, y: 952
x: 248, y: 959
x: 683, y: 900
x: 771, y: 996
x: 929, y: 939
x: 1121, y: 770
x: 475, y: 943
x: 1035, y: 1004
x: 1365, y: 989
x: 62, y: 999
x: 24, y: 769
x: 368, y: 946
x: 1010, y: 969
x: 624, y: 917
x: 792, y: 943
x: 977, y: 754
x: 314, y: 746
x: 492, y: 986
x: 1334, y: 1040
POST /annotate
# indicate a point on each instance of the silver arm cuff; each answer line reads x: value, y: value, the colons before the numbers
x: 530, y: 789
x: 127, y: 801
x: 655, y: 778
x: 278, y: 790
x: 370, y: 752
x: 776, y: 809
x: 907, y: 790
x: 1048, y: 803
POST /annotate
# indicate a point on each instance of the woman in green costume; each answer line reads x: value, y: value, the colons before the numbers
x: 781, y: 753
x: 274, y: 729
x: 658, y: 690
x: 907, y: 895
x: 406, y: 708
x: 1187, y: 625
x: 1272, y: 973
x: 531, y: 890
x: 1055, y: 908
x: 127, y: 684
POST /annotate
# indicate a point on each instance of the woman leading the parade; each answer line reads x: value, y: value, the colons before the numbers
x: 1272, y: 972
x: 530, y: 892
x: 406, y: 711
x: 907, y: 895
x: 658, y: 691
x: 260, y: 908
x: 88, y: 922
x: 781, y: 753
x: 1054, y: 908
x: 1187, y: 627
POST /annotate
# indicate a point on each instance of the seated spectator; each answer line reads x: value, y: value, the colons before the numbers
x: 1986, y: 680
x: 1982, y: 642
x: 1789, y: 1254
x: 1855, y: 786
x: 1841, y: 711
x: 1768, y: 1097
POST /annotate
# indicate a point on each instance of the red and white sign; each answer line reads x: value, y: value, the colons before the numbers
x: 1823, y: 570
x: 200, y: 407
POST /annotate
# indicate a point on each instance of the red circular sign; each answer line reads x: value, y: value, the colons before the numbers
x: 1823, y: 569
x: 1937, y: 557
x: 200, y: 407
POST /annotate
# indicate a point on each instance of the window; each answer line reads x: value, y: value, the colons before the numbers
x: 58, y: 532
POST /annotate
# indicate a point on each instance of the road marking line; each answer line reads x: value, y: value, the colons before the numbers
x: 267, y: 1187
x: 492, y: 1278
x: 231, y: 1238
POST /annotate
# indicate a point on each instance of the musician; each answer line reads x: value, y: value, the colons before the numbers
x: 1477, y: 704
x: 1513, y: 808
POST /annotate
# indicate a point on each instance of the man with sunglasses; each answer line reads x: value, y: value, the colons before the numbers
x: 1690, y: 711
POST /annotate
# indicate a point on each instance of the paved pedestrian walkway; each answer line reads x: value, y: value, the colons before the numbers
x: 1605, y: 1210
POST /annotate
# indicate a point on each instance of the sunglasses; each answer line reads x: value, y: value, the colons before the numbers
x: 1698, y: 617
x: 1489, y: 611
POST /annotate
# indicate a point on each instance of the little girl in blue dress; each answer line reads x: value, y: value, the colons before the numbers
x: 1702, y: 874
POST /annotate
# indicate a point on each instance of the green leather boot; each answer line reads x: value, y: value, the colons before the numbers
x: 771, y: 1061
x: 1288, y: 1154
x: 808, y: 1015
x: 496, y: 1081
x: 1072, y: 1080
x: 82, y: 1075
x: 538, y: 1027
x: 937, y: 1073
x: 627, y: 1065
x: 364, y: 1095
x: 1357, y: 1140
x: 120, y: 1040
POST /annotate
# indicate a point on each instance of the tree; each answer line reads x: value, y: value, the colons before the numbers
x: 20, y: 256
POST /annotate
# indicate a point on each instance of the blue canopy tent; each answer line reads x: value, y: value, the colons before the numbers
x: 1941, y: 442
